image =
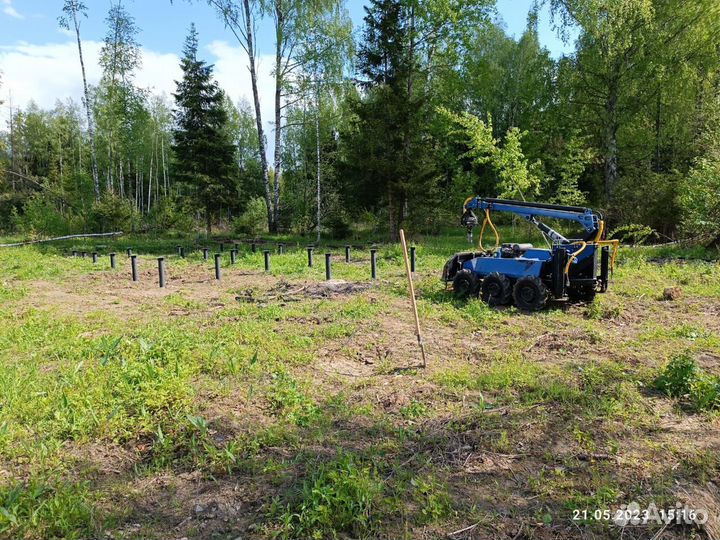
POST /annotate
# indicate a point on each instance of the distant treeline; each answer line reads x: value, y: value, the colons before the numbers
x: 392, y: 125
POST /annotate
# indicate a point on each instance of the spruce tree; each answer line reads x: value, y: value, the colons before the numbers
x: 204, y: 153
x: 387, y: 153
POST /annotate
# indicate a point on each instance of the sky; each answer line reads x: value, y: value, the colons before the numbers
x: 39, y: 62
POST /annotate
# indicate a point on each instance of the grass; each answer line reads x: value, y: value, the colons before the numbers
x: 300, y: 416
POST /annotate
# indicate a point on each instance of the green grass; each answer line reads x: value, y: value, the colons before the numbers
x: 339, y: 497
x: 49, y: 508
x: 313, y: 405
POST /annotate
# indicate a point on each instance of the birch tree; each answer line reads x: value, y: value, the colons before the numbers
x: 72, y: 11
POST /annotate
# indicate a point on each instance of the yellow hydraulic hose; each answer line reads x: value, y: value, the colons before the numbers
x: 482, y: 231
x: 574, y: 255
x: 601, y: 230
x: 598, y: 242
x: 615, y: 245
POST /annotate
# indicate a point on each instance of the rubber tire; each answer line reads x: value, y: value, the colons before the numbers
x: 530, y: 293
x: 581, y: 294
x: 465, y: 284
x: 496, y: 289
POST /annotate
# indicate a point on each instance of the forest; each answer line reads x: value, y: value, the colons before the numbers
x: 391, y: 124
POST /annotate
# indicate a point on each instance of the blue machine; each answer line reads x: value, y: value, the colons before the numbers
x: 572, y: 268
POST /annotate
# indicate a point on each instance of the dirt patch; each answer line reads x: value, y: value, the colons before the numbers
x: 389, y: 344
x: 188, y: 505
x: 115, y: 293
x: 101, y: 460
x: 706, y: 499
x: 568, y: 342
x: 295, y: 292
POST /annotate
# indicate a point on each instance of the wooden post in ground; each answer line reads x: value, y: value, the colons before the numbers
x: 412, y: 296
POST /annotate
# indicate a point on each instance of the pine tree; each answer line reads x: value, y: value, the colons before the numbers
x: 204, y: 153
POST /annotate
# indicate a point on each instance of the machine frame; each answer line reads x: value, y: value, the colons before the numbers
x: 572, y: 268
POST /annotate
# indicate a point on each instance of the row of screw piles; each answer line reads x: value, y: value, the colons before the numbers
x: 233, y: 259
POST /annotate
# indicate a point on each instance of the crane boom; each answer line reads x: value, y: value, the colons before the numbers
x: 531, y: 211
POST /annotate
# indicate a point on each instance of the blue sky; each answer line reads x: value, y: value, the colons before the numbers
x: 164, y: 24
x: 38, y: 60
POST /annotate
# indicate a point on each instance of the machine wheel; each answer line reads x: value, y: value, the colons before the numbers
x: 581, y: 294
x: 530, y: 294
x: 496, y: 289
x: 465, y: 284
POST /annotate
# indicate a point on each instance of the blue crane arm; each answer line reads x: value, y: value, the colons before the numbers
x: 586, y: 217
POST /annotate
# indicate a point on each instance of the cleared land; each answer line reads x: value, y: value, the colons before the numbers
x: 281, y: 405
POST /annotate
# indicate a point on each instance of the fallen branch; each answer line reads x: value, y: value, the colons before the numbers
x: 91, y: 235
x: 460, y: 531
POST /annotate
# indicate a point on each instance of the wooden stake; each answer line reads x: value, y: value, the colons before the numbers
x: 412, y: 296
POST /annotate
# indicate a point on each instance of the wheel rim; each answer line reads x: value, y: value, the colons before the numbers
x: 528, y: 294
x: 494, y: 289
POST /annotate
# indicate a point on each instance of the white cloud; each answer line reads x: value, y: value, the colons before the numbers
x: 46, y: 73
x: 10, y: 10
x: 50, y: 72
x: 232, y: 72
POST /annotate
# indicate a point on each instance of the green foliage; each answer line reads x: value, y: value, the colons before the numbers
x: 678, y: 375
x: 699, y: 199
x: 603, y: 309
x: 171, y: 214
x: 40, y: 216
x: 113, y: 213
x: 699, y: 193
x: 570, y: 165
x: 10, y: 203
x: 432, y: 499
x: 338, y: 223
x: 204, y: 150
x: 415, y: 409
x: 339, y: 498
x: 705, y: 392
x: 254, y: 220
x: 633, y: 233
x: 682, y: 378
x: 516, y: 177
x: 648, y: 198
x: 290, y: 402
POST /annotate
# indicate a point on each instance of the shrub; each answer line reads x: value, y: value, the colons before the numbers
x: 634, y: 234
x: 254, y: 220
x: 171, y: 215
x: 9, y: 205
x: 682, y: 378
x: 699, y: 193
x: 648, y: 198
x: 700, y: 200
x: 705, y: 392
x: 338, y: 224
x: 41, y: 216
x: 113, y: 213
x: 677, y: 376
